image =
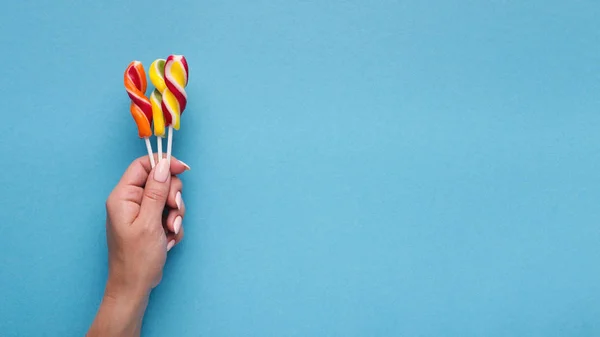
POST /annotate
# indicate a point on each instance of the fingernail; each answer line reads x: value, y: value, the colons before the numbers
x: 162, y: 171
x: 178, y: 200
x: 170, y: 245
x: 177, y: 224
x: 187, y: 167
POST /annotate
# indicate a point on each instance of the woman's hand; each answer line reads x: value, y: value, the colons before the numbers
x: 144, y: 216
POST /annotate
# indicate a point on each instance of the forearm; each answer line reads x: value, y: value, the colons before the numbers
x: 120, y: 313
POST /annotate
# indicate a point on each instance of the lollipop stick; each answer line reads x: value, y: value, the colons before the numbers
x: 169, y: 143
x: 159, y: 145
x: 150, y: 154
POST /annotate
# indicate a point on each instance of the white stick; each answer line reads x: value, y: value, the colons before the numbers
x: 159, y: 145
x: 169, y: 143
x: 150, y: 154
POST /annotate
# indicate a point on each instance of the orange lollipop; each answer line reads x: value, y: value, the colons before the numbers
x: 141, y: 109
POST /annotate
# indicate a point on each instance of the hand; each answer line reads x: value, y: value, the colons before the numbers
x: 138, y: 234
x: 144, y: 215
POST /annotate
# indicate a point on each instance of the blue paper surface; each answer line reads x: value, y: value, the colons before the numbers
x: 359, y: 168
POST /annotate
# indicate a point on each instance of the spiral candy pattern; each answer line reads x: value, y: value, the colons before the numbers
x: 141, y: 109
x: 174, y: 97
x: 157, y: 77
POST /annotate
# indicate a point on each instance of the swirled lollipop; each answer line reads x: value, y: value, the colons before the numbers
x: 157, y: 77
x: 174, y: 97
x: 141, y: 109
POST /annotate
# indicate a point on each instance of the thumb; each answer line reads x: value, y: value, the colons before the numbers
x: 156, y: 191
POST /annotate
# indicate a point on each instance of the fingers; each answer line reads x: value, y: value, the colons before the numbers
x: 175, y: 200
x: 174, y: 221
x: 131, y: 186
x: 177, y: 166
x: 137, y: 173
x: 156, y: 191
x: 174, y: 239
x: 175, y: 227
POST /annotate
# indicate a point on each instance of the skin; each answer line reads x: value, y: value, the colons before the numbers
x: 144, y: 214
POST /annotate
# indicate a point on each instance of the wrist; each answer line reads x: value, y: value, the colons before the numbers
x: 129, y: 302
x: 120, y: 313
x: 128, y: 297
x: 125, y: 285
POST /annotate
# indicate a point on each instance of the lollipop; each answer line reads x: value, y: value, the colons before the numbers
x: 141, y: 109
x: 157, y: 77
x: 174, y: 96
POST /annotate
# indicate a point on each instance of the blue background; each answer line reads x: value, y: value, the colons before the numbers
x: 359, y: 168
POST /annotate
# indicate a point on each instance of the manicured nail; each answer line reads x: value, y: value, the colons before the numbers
x: 177, y: 224
x: 162, y: 171
x: 170, y: 245
x: 187, y: 167
x: 178, y: 200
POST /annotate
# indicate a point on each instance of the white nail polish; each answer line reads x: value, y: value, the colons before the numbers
x: 178, y: 200
x: 170, y: 245
x: 187, y: 167
x: 162, y: 171
x: 177, y: 225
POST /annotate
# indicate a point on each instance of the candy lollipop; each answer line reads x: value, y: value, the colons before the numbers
x: 174, y: 96
x: 157, y: 77
x: 141, y: 109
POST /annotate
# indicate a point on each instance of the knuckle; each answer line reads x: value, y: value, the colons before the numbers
x: 155, y: 194
x: 110, y: 202
x: 124, y: 193
x: 132, y: 193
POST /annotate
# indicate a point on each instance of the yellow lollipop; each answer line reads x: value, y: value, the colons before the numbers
x: 157, y: 77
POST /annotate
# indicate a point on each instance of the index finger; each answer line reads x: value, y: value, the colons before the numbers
x: 137, y: 173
